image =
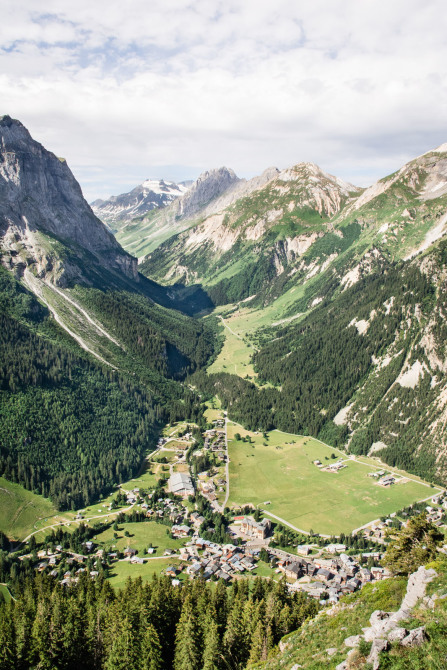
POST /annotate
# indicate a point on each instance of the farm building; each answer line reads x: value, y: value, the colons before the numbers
x: 180, y: 483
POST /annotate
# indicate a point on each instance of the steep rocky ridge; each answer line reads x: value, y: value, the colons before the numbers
x: 151, y: 194
x: 143, y: 234
x: 43, y: 215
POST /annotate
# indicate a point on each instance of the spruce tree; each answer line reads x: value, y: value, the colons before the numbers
x: 187, y: 643
x: 151, y: 653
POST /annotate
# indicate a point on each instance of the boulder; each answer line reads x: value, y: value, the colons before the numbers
x: 342, y: 666
x: 415, y: 637
x: 331, y: 651
x: 378, y: 645
x: 353, y: 641
x: 397, y: 635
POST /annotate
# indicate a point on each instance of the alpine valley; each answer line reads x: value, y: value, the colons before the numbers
x: 235, y: 392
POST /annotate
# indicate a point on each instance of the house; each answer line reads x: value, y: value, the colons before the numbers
x: 180, y: 531
x: 172, y: 571
x: 293, y: 570
x: 129, y: 552
x: 303, y: 549
x: 254, y: 529
x: 336, y: 548
x: 387, y: 481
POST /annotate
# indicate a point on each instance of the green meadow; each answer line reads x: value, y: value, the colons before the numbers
x: 122, y: 570
x: 141, y: 534
x: 304, y: 495
x: 22, y: 509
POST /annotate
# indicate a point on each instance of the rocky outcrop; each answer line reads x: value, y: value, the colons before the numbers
x: 151, y: 194
x: 384, y: 626
x: 45, y: 221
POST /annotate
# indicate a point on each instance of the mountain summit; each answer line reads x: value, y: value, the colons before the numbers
x: 45, y: 222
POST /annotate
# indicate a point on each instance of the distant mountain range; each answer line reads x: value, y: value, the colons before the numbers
x: 151, y: 194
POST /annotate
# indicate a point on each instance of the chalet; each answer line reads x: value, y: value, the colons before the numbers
x: 172, y: 571
x: 254, y: 529
x: 365, y: 575
x: 336, y: 548
x: 293, y: 570
x: 180, y: 531
x: 324, y: 575
x: 137, y: 559
x: 129, y: 552
x: 151, y: 550
x: 387, y: 481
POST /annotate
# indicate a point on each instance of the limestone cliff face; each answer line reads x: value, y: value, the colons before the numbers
x: 42, y: 210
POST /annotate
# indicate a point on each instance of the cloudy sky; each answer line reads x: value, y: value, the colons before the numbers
x: 136, y: 89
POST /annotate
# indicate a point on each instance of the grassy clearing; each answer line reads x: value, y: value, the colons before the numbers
x: 234, y: 357
x: 141, y: 534
x: 121, y: 570
x: 21, y: 510
x: 304, y: 495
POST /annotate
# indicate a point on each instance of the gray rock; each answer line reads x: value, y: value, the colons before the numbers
x: 342, y: 666
x: 331, y: 651
x: 39, y: 194
x: 208, y: 186
x: 415, y: 637
x: 283, y: 646
x: 397, y: 635
x: 296, y: 667
x: 378, y: 645
x: 353, y: 641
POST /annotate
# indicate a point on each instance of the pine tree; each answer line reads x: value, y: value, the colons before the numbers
x: 212, y: 654
x: 151, y: 655
x: 7, y: 639
x: 187, y: 644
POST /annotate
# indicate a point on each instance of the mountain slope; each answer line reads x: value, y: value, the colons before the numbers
x: 42, y: 210
x: 90, y: 363
x: 143, y: 234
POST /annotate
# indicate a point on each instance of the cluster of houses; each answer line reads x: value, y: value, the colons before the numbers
x: 216, y: 561
x: 333, y: 467
x: 382, y: 478
x: 328, y: 578
x: 215, y: 440
x: 50, y: 561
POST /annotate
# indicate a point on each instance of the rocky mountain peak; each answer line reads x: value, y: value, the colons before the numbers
x: 151, y: 194
x: 41, y: 202
x: 207, y: 187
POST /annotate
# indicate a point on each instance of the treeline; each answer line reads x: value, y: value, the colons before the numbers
x: 153, y: 626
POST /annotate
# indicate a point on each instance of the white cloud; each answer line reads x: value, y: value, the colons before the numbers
x: 358, y: 87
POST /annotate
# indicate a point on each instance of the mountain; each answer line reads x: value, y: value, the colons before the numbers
x: 93, y: 354
x: 151, y: 194
x: 277, y: 220
x: 143, y: 234
x: 42, y: 211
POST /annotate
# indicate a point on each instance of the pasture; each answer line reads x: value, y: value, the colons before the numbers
x: 22, y: 509
x: 304, y: 495
x: 141, y: 534
x: 122, y: 570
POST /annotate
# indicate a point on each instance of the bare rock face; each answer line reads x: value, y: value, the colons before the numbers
x: 208, y: 186
x: 42, y: 206
x: 415, y: 637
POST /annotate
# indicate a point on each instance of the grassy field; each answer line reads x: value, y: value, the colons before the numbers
x: 305, y: 495
x: 21, y: 510
x: 140, y: 535
x: 121, y: 570
x: 234, y: 357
